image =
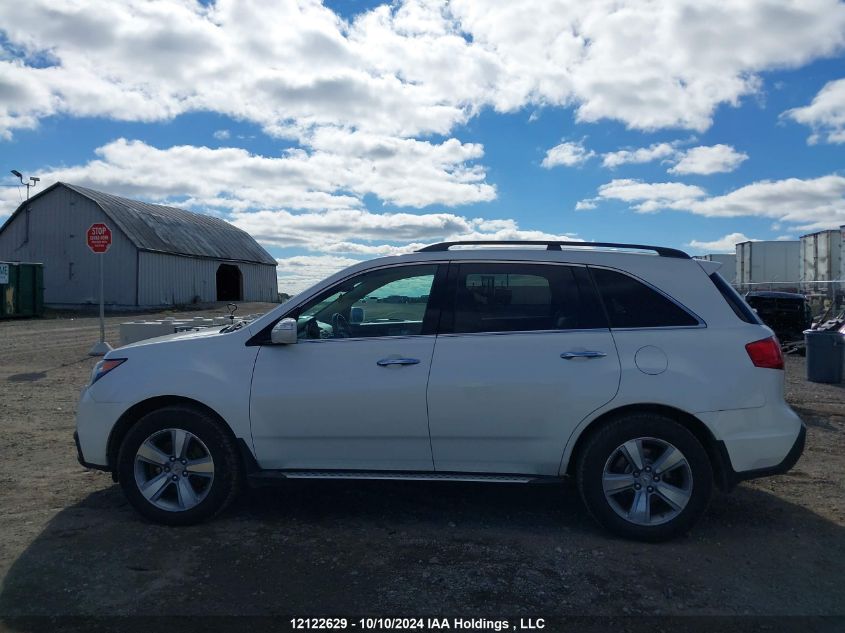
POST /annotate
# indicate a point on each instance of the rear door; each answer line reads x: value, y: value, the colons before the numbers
x: 523, y: 355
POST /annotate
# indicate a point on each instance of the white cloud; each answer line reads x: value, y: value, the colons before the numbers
x: 650, y: 197
x: 695, y: 160
x: 362, y: 98
x: 585, y: 205
x: 297, y: 273
x: 222, y: 135
x: 307, y: 199
x: 362, y: 232
x: 814, y: 203
x: 726, y: 244
x: 638, y: 155
x: 568, y: 153
x: 825, y: 115
x: 340, y: 168
x: 412, y: 68
x: 707, y: 160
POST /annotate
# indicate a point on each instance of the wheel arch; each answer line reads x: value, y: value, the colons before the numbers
x: 142, y: 408
x: 721, y: 470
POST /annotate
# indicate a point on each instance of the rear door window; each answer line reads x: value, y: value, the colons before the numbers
x: 632, y: 304
x: 514, y: 297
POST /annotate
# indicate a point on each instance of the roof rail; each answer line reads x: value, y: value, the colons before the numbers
x: 556, y: 246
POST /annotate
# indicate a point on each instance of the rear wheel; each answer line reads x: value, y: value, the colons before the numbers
x: 645, y: 476
x: 178, y: 466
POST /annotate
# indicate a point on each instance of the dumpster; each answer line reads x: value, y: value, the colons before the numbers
x: 21, y: 289
x: 825, y: 355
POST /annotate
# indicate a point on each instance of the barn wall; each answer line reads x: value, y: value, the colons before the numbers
x: 260, y: 283
x: 172, y: 279
x: 58, y: 222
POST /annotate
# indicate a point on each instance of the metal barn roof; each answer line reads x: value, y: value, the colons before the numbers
x: 161, y: 229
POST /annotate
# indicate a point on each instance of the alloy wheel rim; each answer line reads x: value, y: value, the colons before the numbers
x: 174, y: 470
x: 647, y: 481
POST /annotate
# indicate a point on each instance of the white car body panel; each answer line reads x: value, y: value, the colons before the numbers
x: 205, y: 366
x: 326, y: 404
x: 507, y: 403
x: 490, y: 404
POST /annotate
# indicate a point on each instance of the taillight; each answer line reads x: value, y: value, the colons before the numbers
x: 765, y: 353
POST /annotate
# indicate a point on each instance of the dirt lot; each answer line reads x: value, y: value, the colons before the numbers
x: 71, y: 545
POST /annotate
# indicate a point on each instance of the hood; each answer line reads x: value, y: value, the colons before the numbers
x: 178, y: 336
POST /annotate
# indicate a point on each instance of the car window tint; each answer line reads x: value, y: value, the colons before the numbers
x: 632, y: 304
x: 400, y: 300
x: 518, y: 297
x: 386, y: 302
x: 736, y: 302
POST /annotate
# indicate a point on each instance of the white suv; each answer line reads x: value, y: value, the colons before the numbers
x: 642, y: 375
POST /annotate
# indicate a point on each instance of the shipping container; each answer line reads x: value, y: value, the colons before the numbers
x: 772, y: 265
x: 821, y: 256
x: 21, y: 289
x: 841, y: 257
x: 728, y: 262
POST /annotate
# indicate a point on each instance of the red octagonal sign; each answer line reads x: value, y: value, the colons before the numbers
x: 99, y: 237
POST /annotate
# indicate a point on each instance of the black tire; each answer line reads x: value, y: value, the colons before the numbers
x: 224, y: 485
x: 602, y: 445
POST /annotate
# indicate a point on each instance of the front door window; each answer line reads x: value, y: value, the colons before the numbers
x: 387, y: 302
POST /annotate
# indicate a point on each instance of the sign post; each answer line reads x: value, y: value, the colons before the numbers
x: 98, y: 238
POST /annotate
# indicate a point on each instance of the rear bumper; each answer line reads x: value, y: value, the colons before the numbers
x: 757, y: 438
x: 733, y: 477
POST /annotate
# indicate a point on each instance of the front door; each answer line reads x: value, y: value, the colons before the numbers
x: 524, y: 356
x: 351, y: 393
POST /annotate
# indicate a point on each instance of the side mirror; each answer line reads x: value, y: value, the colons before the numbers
x: 284, y: 332
x: 356, y: 315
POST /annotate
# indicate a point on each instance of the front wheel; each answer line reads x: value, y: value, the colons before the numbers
x: 645, y: 477
x: 177, y: 466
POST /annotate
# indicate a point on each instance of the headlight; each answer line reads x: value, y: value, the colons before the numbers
x: 104, y: 367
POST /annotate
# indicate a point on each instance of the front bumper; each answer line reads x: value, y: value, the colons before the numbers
x: 94, y: 424
x: 81, y: 458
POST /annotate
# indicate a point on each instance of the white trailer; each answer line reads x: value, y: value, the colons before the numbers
x: 768, y: 265
x: 821, y: 256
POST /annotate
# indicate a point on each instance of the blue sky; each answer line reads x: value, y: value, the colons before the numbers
x: 352, y: 129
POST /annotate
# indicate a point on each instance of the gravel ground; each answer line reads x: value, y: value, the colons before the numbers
x: 72, y: 546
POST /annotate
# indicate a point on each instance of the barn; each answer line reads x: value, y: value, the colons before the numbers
x: 159, y: 256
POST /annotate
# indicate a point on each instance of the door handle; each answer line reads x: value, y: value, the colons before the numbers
x: 386, y: 362
x: 571, y: 355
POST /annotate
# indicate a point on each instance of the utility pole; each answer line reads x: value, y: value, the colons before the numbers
x: 28, y: 184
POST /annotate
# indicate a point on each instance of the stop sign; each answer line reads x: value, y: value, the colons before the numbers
x: 99, y: 237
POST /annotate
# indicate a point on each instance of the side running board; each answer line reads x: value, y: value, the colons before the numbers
x: 270, y: 476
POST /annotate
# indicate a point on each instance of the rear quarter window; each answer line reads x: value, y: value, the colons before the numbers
x: 632, y: 304
x: 737, y: 303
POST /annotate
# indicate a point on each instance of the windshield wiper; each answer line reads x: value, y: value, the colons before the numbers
x: 233, y: 327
